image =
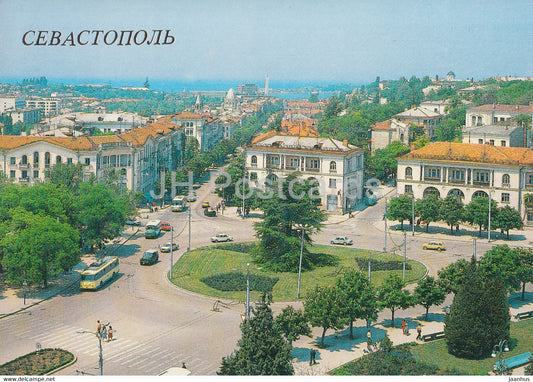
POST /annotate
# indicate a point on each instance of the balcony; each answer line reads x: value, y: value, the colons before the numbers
x: 480, y: 183
x: 24, y: 165
x: 25, y: 180
x: 36, y: 165
x: 456, y: 181
x: 432, y: 179
x: 506, y: 185
x: 312, y: 169
x: 291, y: 168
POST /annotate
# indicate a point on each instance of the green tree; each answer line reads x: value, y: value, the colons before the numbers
x: 66, y: 174
x: 358, y: 296
x: 428, y: 293
x: 428, y: 209
x: 479, y: 315
x: 284, y: 210
x: 507, y: 218
x: 293, y: 324
x: 477, y: 212
x: 43, y: 247
x: 451, y: 276
x: 382, y: 164
x: 262, y: 348
x: 503, y: 263
x: 323, y: 308
x: 313, y: 97
x: 101, y: 213
x: 391, y: 295
x: 400, y: 208
x: 452, y: 210
x: 525, y: 270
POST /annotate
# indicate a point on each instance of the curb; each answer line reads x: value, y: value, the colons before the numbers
x: 64, y: 366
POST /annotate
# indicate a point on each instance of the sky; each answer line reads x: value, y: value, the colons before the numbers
x: 335, y: 41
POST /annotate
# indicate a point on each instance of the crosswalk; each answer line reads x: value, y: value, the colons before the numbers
x: 126, y: 355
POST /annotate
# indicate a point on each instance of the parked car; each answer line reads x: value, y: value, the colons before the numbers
x: 133, y: 221
x: 205, y: 204
x: 221, y: 237
x: 436, y: 245
x: 166, y: 226
x: 342, y: 240
x: 191, y: 198
x: 150, y: 257
x: 166, y: 247
x: 210, y: 212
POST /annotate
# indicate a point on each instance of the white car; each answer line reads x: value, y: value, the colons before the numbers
x: 342, y: 240
x: 166, y: 247
x: 221, y: 237
x: 133, y: 221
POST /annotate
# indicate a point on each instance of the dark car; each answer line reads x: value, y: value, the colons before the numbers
x: 150, y: 257
x: 210, y: 212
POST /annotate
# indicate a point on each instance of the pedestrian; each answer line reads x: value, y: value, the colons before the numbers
x: 104, y: 333
x: 404, y: 325
x: 98, y: 327
x: 419, y: 332
x: 312, y: 357
x: 418, y: 222
x: 110, y: 333
x: 369, y: 337
x: 238, y: 210
x: 183, y: 365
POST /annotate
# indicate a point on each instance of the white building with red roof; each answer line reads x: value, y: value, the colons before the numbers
x: 336, y: 166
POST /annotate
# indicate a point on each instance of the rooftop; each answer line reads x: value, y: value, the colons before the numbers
x: 490, y: 129
x: 418, y: 112
x: 519, y: 109
x: 472, y: 153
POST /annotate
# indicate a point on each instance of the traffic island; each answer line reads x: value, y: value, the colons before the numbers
x: 40, y: 362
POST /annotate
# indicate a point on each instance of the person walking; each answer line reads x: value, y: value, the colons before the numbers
x: 369, y: 336
x: 98, y: 327
x: 110, y: 333
x: 419, y: 332
x: 104, y: 333
x: 404, y: 325
x: 312, y: 357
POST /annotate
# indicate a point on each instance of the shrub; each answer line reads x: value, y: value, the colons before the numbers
x: 378, y: 265
x: 37, y: 363
x: 236, y: 281
x: 237, y: 247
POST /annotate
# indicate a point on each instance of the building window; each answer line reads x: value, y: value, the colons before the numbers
x: 408, y: 173
x: 481, y: 176
x: 47, y: 159
x: 506, y: 180
x: 312, y: 164
x: 87, y: 161
x: 12, y: 174
x: 35, y: 157
x: 505, y: 197
x: 432, y: 173
x: 272, y: 160
x: 457, y: 175
x: 36, y: 174
x: 13, y: 160
x: 253, y: 176
x: 503, y: 143
x: 58, y: 159
x: 332, y: 183
x: 491, y: 142
x: 480, y: 141
x: 332, y: 166
x: 530, y: 216
x: 24, y: 159
x: 253, y: 161
x: 69, y: 160
x: 408, y: 189
x: 294, y: 163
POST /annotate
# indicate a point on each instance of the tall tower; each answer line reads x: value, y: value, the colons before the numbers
x: 266, y: 84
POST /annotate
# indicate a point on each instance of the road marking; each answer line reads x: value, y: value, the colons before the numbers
x: 66, y: 330
x: 125, y: 354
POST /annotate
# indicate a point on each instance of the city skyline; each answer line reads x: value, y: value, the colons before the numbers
x: 314, y: 41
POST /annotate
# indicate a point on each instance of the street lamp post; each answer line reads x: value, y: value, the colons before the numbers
x: 100, y: 353
x: 369, y: 265
x: 490, y: 195
x: 404, y: 254
x: 247, y: 291
x: 300, y: 265
x: 385, y: 219
x: 243, y: 176
x: 413, y: 214
x: 500, y: 348
x: 171, y: 250
x: 189, y: 245
x: 25, y: 285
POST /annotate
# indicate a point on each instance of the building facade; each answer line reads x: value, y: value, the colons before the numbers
x: 386, y: 132
x: 468, y: 171
x: 49, y: 106
x: 491, y: 114
x: 205, y: 129
x: 428, y: 119
x: 336, y: 166
x: 497, y: 135
x: 11, y: 103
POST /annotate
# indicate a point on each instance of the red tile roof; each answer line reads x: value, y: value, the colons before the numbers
x: 520, y: 109
x: 473, y: 153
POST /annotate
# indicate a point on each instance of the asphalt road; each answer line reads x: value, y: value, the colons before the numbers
x: 158, y: 326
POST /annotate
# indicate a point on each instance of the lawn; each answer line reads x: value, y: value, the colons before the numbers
x: 211, y: 260
x: 435, y: 352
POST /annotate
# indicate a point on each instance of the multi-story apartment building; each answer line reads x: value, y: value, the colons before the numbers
x: 49, y: 106
x: 497, y: 135
x: 138, y: 156
x: 204, y: 128
x: 491, y: 114
x: 25, y: 115
x: 386, y: 132
x: 428, y: 119
x: 11, y: 103
x: 336, y: 166
x: 469, y: 170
